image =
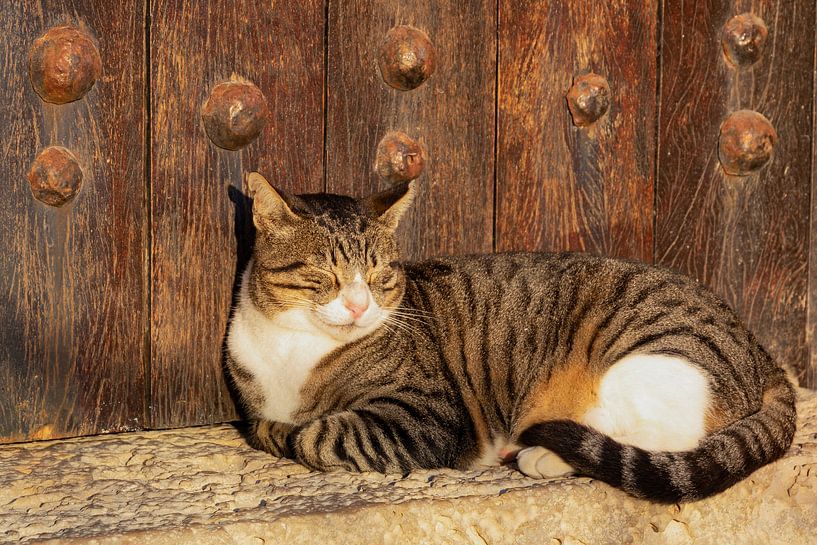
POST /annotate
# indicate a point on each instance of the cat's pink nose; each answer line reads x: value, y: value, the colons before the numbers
x: 356, y: 298
x: 356, y: 307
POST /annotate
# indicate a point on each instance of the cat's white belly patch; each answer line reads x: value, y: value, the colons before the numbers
x: 279, y: 354
x: 653, y: 401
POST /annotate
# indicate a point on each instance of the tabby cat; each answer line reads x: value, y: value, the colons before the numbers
x: 346, y: 358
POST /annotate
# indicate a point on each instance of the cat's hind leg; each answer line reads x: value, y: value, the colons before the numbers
x: 656, y: 402
x: 653, y: 401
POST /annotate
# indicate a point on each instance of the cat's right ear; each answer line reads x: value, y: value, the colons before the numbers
x: 269, y: 209
x: 390, y: 205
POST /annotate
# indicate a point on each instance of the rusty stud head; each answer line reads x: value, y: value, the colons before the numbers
x: 588, y: 99
x: 234, y: 114
x: 55, y: 176
x: 743, y: 38
x: 63, y: 65
x: 406, y: 58
x: 746, y: 142
x: 399, y: 158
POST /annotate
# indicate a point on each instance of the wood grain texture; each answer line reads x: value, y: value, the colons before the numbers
x: 745, y: 237
x: 453, y: 114
x: 809, y: 375
x: 560, y: 187
x: 201, y: 229
x: 71, y: 278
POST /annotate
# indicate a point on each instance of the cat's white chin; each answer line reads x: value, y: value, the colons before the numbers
x: 349, y: 329
x: 338, y: 321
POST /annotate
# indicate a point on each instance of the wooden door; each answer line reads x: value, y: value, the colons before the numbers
x: 201, y: 229
x: 747, y: 236
x: 536, y: 125
x: 73, y: 277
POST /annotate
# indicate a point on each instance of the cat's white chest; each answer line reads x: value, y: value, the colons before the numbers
x: 279, y: 353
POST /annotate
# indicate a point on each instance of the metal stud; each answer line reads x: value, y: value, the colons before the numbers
x: 55, y: 176
x: 743, y: 39
x: 406, y: 58
x: 399, y: 158
x: 588, y: 99
x: 746, y: 142
x: 234, y: 113
x: 63, y: 64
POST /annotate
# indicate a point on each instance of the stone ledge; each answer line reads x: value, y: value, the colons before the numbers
x: 205, y: 486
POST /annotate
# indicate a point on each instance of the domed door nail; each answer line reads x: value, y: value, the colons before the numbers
x: 407, y: 58
x: 588, y: 99
x: 743, y: 39
x: 399, y: 158
x: 55, y: 176
x: 746, y: 142
x: 63, y: 65
x: 234, y: 114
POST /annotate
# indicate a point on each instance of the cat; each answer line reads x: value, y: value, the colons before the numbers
x: 344, y: 357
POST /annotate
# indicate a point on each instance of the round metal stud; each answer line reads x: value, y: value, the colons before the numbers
x: 743, y: 39
x: 63, y: 65
x: 399, y: 158
x: 406, y: 58
x: 55, y: 176
x: 588, y: 99
x: 746, y: 142
x: 234, y: 114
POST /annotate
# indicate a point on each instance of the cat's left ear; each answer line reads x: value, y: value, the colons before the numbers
x: 270, y: 209
x: 390, y: 205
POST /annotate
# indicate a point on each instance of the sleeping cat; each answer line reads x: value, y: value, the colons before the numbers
x: 346, y: 358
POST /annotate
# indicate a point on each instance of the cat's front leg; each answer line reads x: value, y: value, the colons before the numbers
x: 357, y: 440
x: 271, y: 437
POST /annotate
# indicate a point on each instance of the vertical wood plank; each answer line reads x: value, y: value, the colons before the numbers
x: 560, y: 187
x: 746, y: 237
x: 201, y: 227
x: 71, y: 278
x: 453, y: 113
x: 809, y: 377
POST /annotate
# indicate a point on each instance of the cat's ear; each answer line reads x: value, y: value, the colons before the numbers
x: 270, y: 209
x: 390, y: 205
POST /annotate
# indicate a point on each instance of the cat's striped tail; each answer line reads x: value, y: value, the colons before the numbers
x: 720, y: 460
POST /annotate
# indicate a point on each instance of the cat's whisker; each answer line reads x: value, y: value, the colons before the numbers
x: 402, y: 325
x: 423, y: 320
x: 405, y: 330
x: 407, y: 314
x: 414, y: 311
x: 389, y: 329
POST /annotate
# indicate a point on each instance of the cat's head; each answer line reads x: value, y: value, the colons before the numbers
x: 327, y: 259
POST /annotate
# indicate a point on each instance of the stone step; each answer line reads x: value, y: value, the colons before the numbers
x: 204, y: 485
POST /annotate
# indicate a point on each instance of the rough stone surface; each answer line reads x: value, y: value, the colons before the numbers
x: 205, y: 486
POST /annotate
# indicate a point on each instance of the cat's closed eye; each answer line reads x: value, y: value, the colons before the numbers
x: 385, y: 279
x: 299, y: 276
x: 315, y: 284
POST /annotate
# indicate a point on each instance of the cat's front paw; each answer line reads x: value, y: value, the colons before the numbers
x: 271, y: 437
x: 540, y: 463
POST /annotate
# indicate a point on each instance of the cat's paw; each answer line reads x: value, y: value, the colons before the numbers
x: 540, y: 463
x: 271, y: 437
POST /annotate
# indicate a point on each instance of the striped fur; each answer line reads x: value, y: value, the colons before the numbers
x: 508, y: 348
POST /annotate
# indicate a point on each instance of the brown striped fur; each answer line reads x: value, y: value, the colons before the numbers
x: 507, y: 345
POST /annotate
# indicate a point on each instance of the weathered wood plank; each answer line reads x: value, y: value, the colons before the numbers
x: 745, y: 237
x: 560, y: 187
x: 453, y: 113
x: 809, y: 376
x: 200, y: 235
x: 72, y: 337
